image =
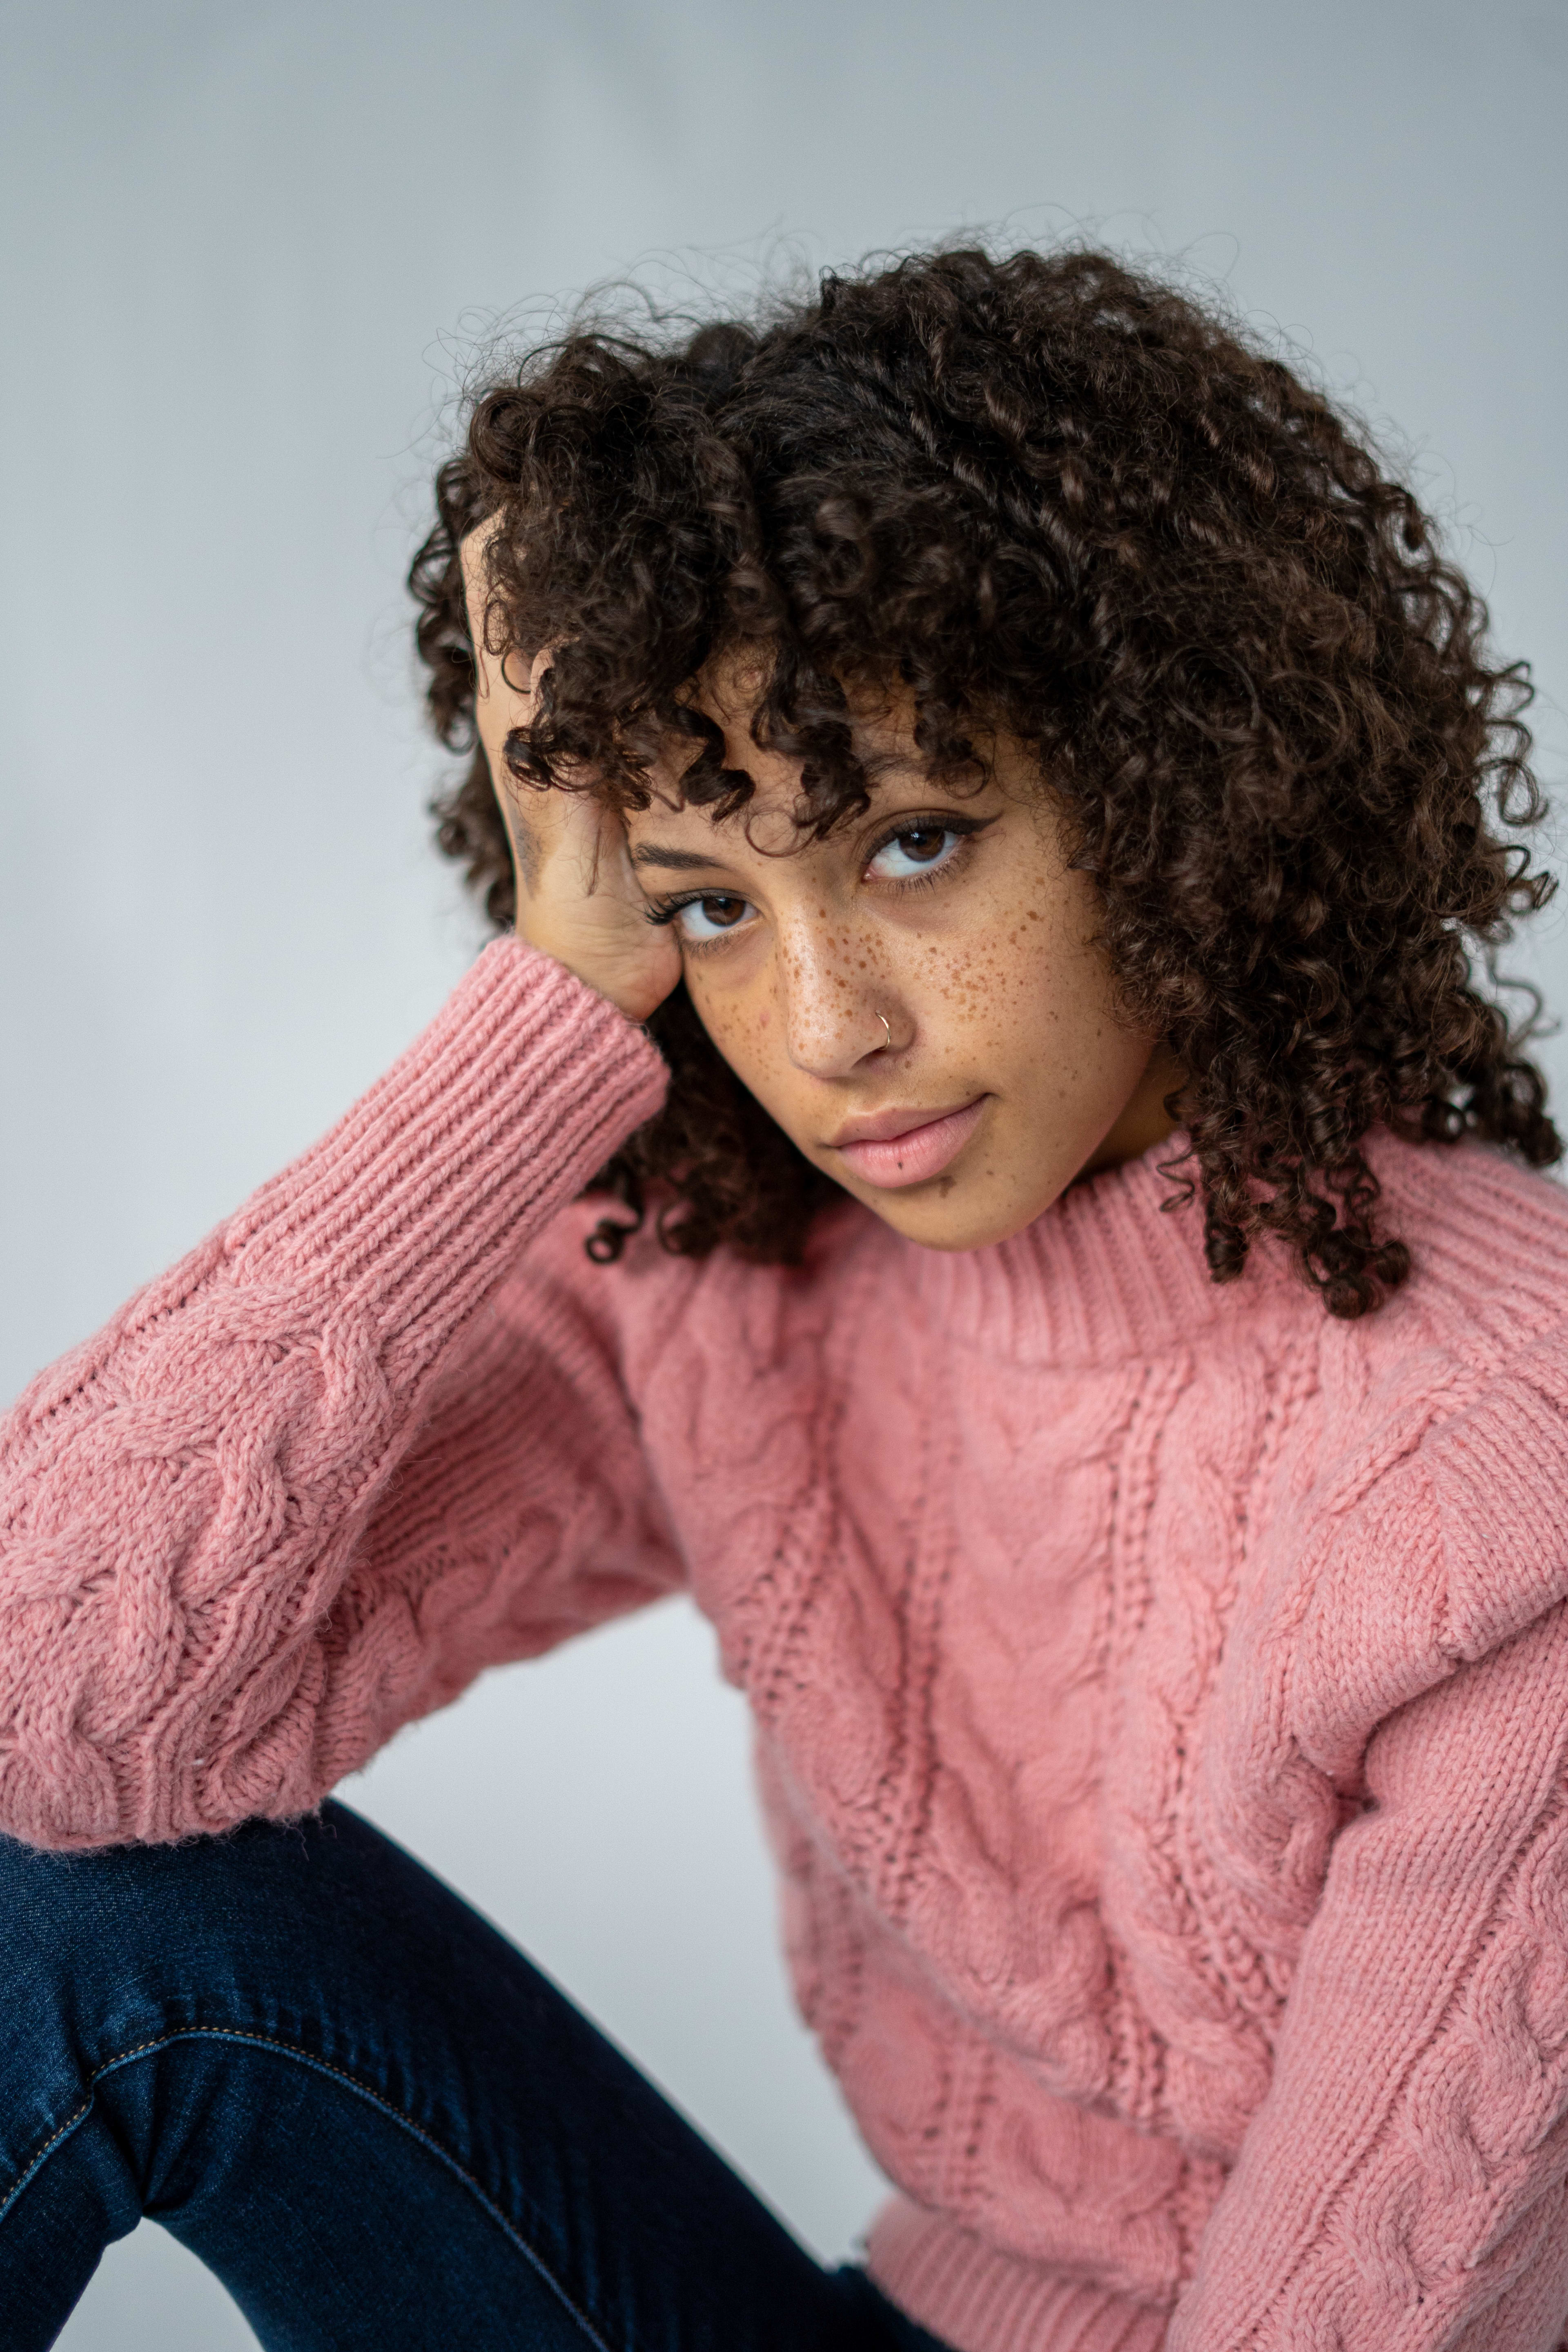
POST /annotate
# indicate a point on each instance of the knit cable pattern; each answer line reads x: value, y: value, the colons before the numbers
x: 1161, y: 1690
x: 198, y: 1621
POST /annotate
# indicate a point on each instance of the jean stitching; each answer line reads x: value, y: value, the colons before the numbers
x: 23, y: 2178
x: 323, y: 2067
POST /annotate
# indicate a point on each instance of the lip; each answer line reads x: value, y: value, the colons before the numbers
x: 898, y: 1147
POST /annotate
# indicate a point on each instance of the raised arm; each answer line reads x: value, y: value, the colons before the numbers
x: 305, y: 1483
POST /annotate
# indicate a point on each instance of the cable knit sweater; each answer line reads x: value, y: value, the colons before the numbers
x: 1160, y: 1690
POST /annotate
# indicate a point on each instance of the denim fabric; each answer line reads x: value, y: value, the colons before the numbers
x: 366, y: 2113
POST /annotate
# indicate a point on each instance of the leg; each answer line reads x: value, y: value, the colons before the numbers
x: 366, y: 2112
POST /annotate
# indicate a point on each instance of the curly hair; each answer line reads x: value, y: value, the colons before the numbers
x: 1049, y: 494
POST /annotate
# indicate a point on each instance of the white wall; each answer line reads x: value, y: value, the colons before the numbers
x: 246, y: 248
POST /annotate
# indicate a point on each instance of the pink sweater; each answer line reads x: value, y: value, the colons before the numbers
x: 1161, y: 1691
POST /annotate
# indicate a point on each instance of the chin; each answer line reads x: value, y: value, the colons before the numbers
x: 954, y: 1224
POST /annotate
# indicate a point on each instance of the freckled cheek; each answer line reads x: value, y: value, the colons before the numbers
x: 1006, y: 995
x: 742, y: 1023
x: 983, y: 983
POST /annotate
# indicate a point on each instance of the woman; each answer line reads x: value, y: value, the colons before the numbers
x: 1003, y: 794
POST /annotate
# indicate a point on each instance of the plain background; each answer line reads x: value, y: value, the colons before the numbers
x: 248, y: 253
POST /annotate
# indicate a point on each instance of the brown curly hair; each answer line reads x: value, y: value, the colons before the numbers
x: 1050, y: 494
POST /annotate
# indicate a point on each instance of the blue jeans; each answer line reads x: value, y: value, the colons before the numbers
x: 366, y: 2113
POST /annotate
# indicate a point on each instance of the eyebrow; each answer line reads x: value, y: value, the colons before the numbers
x: 683, y: 861
x: 692, y: 861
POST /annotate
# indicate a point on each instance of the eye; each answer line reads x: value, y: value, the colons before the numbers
x: 700, y: 920
x: 920, y: 850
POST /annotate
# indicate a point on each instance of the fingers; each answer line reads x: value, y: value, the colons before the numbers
x: 542, y: 824
x: 501, y: 700
x: 502, y: 703
x: 578, y: 896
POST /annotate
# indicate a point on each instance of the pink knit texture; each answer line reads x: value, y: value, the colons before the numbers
x: 1161, y: 1690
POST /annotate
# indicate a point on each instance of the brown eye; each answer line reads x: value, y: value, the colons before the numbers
x: 702, y: 920
x: 921, y: 849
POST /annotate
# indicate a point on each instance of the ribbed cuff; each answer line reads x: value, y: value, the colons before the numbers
x: 979, y: 2299
x: 524, y: 1084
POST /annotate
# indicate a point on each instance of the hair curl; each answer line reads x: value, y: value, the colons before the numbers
x: 1050, y: 494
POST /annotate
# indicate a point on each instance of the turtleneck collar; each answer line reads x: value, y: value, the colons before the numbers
x: 1115, y: 1269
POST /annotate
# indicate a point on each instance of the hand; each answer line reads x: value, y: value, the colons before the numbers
x: 578, y: 897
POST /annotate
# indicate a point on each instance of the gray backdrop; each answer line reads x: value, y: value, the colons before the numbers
x: 248, y: 251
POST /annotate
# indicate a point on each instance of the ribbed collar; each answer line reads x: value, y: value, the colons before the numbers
x: 1112, y: 1272
x: 1109, y: 1272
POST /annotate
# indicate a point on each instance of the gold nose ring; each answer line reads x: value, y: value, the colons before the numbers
x: 883, y: 1019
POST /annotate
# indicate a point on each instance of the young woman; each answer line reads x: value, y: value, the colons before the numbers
x: 981, y: 1159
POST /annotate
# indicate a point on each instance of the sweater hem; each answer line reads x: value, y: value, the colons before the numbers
x: 978, y: 2298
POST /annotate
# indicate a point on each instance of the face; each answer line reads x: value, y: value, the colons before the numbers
x: 919, y: 1001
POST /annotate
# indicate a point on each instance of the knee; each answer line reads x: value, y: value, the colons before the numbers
x: 120, y: 1932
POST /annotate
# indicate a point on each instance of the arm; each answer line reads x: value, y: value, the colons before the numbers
x: 1404, y: 2184
x: 269, y: 1512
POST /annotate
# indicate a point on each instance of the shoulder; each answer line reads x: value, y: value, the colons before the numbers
x: 1489, y: 1299
x: 649, y: 1300
x: 1432, y: 1523
x: 1488, y: 1241
x: 1485, y: 1306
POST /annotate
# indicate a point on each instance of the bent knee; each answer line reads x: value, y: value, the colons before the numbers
x: 85, y: 1927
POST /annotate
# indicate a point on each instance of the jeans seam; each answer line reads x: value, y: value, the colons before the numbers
x: 324, y: 2066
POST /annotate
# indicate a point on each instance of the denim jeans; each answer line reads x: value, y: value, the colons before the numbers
x: 363, y: 2110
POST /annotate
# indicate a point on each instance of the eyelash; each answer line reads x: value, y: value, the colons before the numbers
x: 968, y: 830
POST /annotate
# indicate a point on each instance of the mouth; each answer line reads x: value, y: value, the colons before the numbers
x: 907, y: 1146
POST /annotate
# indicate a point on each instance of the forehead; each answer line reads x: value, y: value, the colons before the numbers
x: 775, y: 819
x: 728, y: 692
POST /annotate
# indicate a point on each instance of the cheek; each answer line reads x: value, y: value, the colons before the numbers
x: 1023, y: 980
x: 739, y: 1019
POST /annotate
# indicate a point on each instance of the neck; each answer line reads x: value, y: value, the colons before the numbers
x: 1144, y: 1121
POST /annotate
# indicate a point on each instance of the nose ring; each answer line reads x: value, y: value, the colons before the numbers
x: 883, y: 1019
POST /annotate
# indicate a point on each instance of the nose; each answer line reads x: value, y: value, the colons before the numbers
x: 836, y: 1012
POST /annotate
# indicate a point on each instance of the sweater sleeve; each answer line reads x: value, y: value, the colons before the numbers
x: 305, y: 1484
x: 1403, y: 2187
